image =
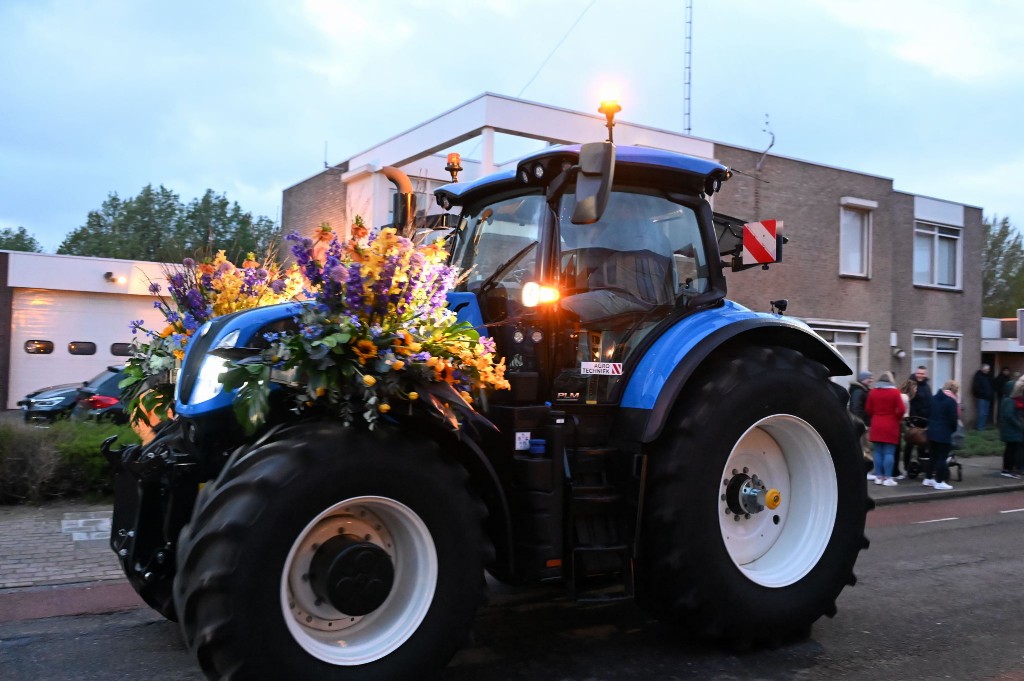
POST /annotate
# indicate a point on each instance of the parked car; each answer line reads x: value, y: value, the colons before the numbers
x: 49, y: 404
x: 100, y: 398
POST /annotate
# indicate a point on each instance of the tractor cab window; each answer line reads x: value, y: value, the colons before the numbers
x: 645, y: 252
x: 498, y: 245
x: 619, y: 278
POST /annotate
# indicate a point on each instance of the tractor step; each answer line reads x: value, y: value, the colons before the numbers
x: 600, y: 566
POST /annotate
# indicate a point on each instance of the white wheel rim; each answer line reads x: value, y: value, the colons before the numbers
x: 334, y: 637
x: 776, y: 548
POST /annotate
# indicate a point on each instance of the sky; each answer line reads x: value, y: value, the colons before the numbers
x: 248, y: 97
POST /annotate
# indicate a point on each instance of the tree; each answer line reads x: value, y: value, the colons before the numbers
x: 212, y: 223
x: 156, y: 226
x: 1003, y: 269
x: 18, y: 240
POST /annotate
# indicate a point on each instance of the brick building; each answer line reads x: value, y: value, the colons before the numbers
x: 891, y: 279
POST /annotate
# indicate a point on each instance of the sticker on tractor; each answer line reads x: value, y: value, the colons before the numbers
x: 760, y: 241
x: 601, y: 368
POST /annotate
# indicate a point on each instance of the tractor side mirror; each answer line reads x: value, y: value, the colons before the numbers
x: 593, y: 182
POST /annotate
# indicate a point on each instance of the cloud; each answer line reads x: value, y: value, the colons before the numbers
x: 968, y: 42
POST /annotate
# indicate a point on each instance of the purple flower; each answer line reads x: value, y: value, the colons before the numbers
x: 189, y: 263
x: 154, y: 287
x: 278, y: 286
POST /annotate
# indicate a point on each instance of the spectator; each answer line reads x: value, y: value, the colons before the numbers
x: 1011, y: 432
x: 884, y: 407
x: 907, y: 391
x: 982, y: 392
x: 945, y: 414
x: 858, y: 397
x: 920, y: 408
x: 1002, y: 384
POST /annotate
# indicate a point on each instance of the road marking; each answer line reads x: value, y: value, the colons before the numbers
x: 1013, y: 510
x: 937, y: 520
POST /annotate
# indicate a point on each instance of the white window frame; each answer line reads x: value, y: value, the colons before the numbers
x: 841, y: 326
x: 934, y: 230
x: 864, y: 209
x: 929, y: 359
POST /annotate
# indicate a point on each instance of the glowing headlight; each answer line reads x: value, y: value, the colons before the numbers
x: 207, y: 386
x: 535, y: 294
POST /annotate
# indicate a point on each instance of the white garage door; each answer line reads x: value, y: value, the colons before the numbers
x: 64, y: 317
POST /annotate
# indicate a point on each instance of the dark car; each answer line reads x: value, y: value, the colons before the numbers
x: 100, y: 398
x: 49, y: 404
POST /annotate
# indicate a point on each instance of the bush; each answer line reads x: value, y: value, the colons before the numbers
x: 981, y: 443
x: 61, y: 460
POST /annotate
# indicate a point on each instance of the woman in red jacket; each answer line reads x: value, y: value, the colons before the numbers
x: 885, y: 407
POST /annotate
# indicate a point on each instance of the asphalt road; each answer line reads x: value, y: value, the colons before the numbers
x: 938, y: 597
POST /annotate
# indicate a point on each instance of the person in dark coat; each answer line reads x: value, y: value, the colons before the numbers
x: 943, y: 422
x: 1002, y: 384
x: 982, y: 390
x: 920, y: 407
x: 1011, y: 432
x: 858, y: 398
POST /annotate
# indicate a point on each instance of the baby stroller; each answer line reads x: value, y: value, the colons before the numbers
x: 915, y: 434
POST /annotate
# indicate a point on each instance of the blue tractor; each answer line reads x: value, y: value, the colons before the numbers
x: 659, y: 443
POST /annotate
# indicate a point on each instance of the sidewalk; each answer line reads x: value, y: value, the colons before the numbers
x: 981, y: 476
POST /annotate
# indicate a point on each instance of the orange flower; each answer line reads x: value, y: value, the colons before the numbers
x: 397, y: 365
x: 365, y: 349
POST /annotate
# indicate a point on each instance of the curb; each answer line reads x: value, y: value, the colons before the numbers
x: 936, y: 495
x: 88, y: 598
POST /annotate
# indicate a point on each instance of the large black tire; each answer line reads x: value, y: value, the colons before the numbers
x: 760, y: 578
x: 246, y: 606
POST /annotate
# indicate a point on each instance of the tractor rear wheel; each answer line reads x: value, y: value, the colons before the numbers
x: 331, y: 553
x: 756, y: 502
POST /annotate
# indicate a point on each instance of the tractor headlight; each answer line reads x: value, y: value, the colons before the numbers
x: 535, y: 294
x: 208, y: 384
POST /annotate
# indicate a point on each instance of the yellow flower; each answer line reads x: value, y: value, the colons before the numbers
x: 365, y: 349
x: 414, y: 395
x: 321, y: 391
x: 466, y: 396
x: 397, y: 365
x: 384, y: 407
x: 369, y: 380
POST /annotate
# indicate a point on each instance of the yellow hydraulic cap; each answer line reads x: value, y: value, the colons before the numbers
x: 773, y: 498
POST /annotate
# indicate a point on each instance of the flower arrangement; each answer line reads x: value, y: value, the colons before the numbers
x: 198, y: 292
x: 376, y: 336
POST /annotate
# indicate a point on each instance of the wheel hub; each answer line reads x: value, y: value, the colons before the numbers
x: 354, y: 575
x: 746, y: 494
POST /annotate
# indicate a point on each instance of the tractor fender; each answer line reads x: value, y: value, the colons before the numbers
x: 661, y: 374
x: 485, y: 482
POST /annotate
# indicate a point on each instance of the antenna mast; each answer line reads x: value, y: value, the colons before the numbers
x: 688, y: 59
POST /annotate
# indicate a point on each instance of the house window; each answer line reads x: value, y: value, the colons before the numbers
x: 849, y: 340
x: 940, y: 354
x: 937, y: 255
x: 855, y: 236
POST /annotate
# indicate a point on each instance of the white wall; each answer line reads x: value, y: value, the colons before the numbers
x: 67, y: 298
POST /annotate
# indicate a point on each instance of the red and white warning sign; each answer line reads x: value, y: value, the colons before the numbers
x: 760, y: 241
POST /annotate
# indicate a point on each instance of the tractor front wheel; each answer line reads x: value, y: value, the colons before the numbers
x: 331, y: 553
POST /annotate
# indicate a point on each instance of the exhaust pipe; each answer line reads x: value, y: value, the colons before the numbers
x: 404, y: 207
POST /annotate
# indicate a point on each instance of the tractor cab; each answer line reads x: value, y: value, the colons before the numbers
x: 578, y: 257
